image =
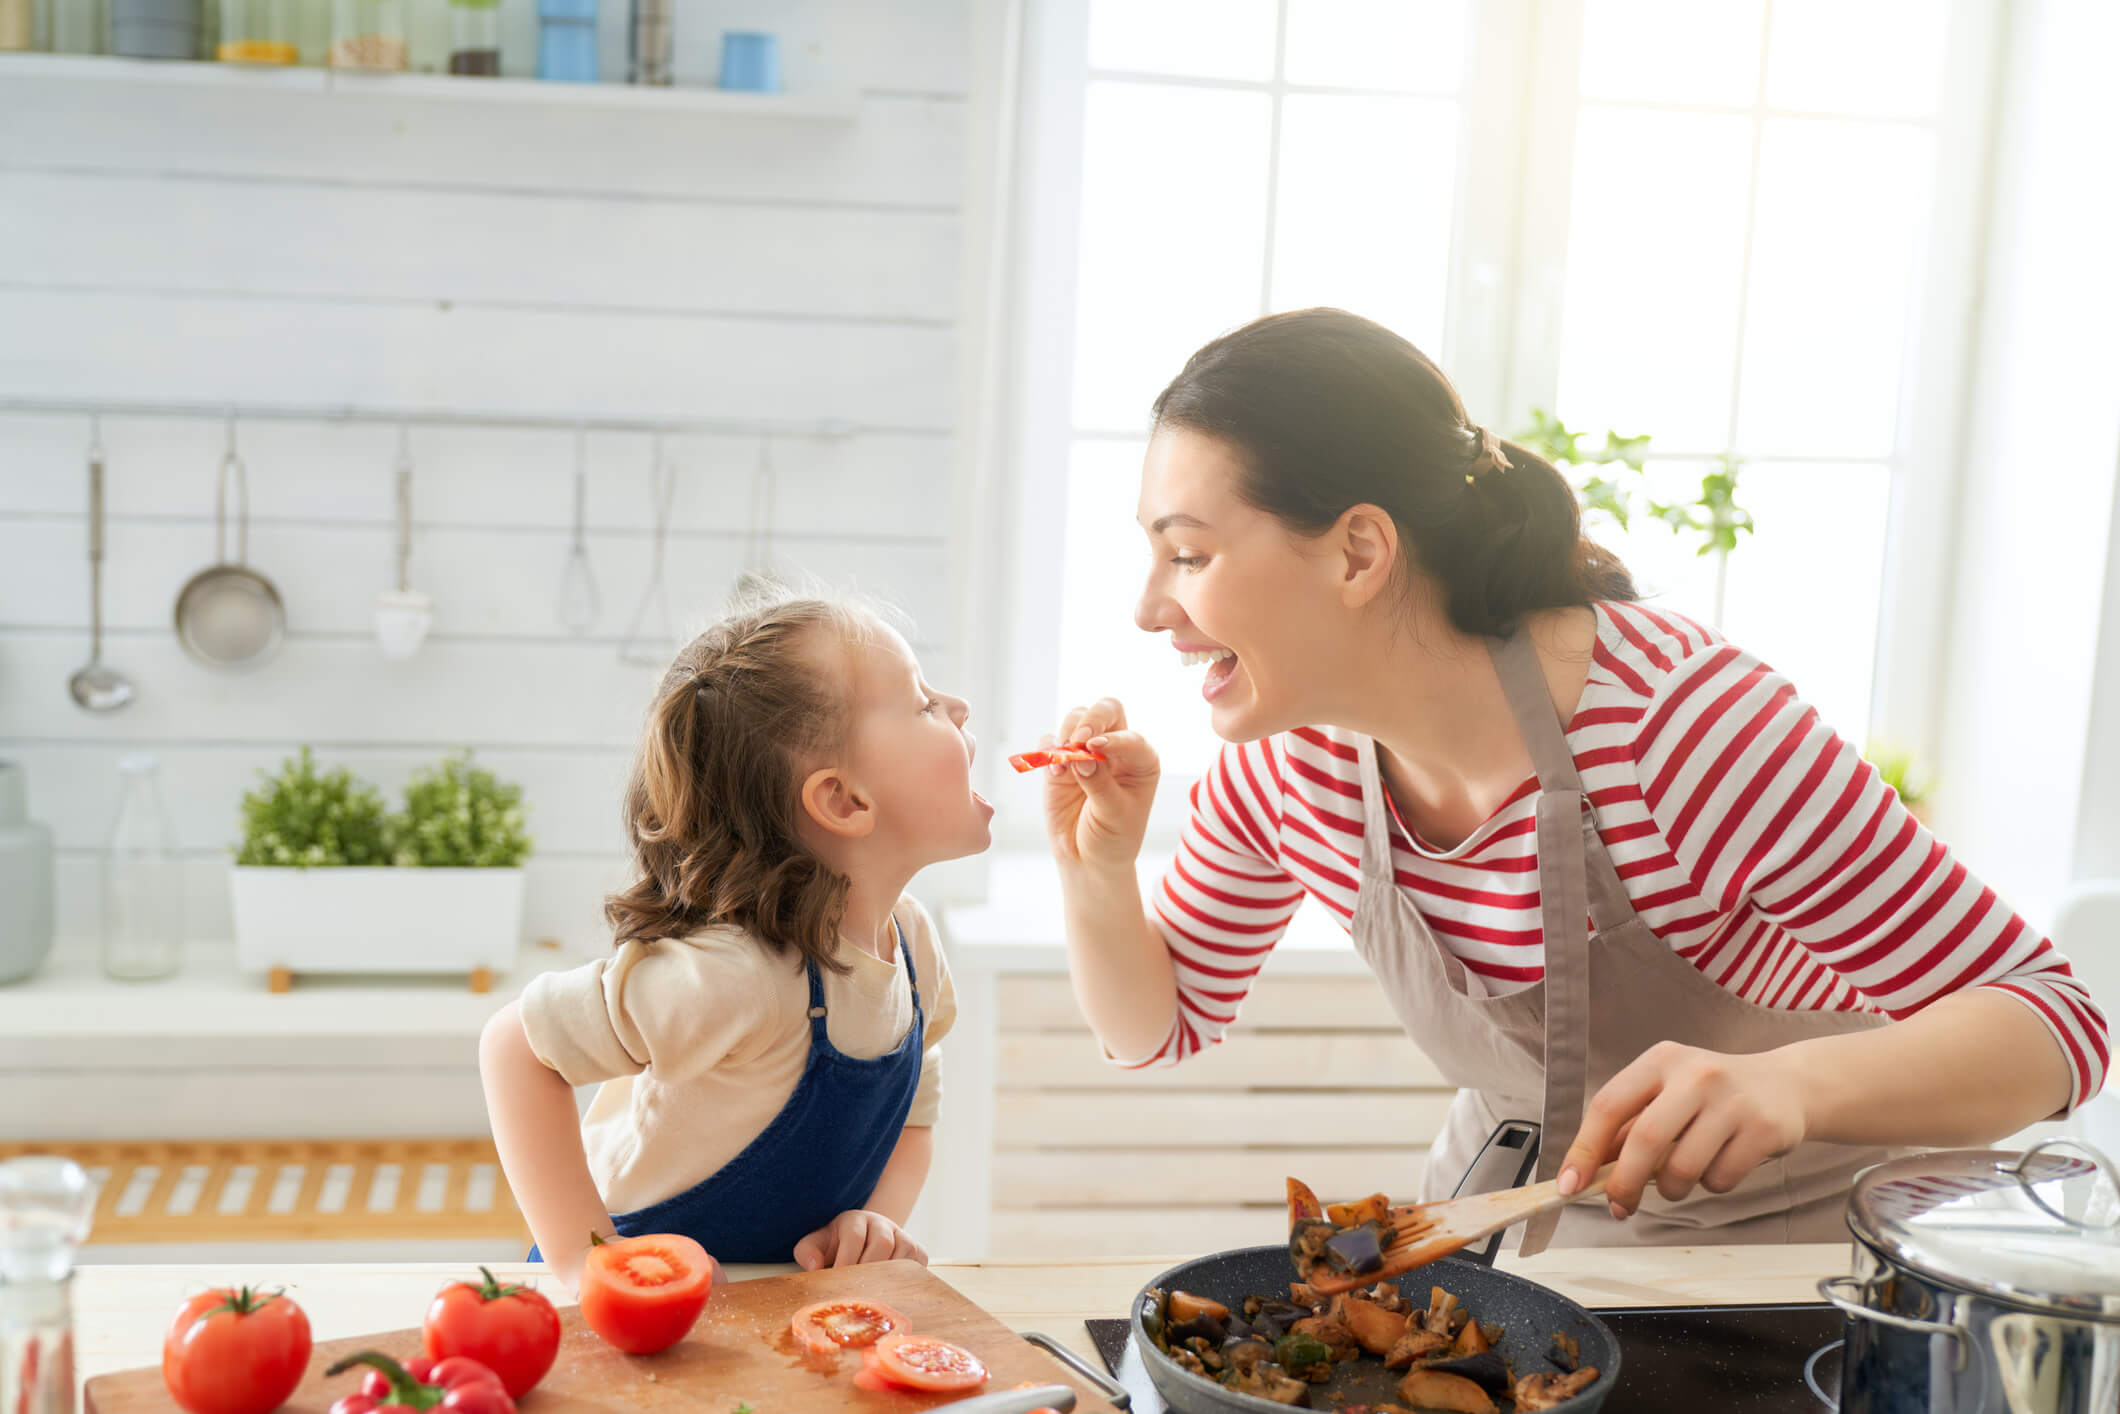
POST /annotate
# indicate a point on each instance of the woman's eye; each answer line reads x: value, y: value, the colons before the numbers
x: 1188, y: 562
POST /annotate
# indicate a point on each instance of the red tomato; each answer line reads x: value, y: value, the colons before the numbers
x: 511, y: 1330
x: 848, y: 1323
x: 235, y: 1351
x: 643, y: 1293
x: 923, y: 1362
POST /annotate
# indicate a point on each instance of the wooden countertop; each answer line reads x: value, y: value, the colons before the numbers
x: 120, y: 1311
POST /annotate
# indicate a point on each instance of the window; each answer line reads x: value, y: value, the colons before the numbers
x: 1715, y: 224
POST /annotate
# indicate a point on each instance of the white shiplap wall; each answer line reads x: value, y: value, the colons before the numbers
x: 206, y: 243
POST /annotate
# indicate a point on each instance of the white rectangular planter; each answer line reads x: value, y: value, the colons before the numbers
x: 377, y: 920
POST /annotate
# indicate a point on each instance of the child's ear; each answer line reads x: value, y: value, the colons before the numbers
x: 837, y: 805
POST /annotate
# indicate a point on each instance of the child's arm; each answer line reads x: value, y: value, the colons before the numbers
x: 877, y: 1232
x: 538, y: 1135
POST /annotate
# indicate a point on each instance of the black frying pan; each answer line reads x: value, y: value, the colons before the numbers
x: 1530, y: 1316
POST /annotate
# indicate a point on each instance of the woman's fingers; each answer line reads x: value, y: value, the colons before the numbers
x: 1695, y: 1152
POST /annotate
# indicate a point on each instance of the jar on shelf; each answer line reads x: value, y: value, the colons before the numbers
x: 475, y: 38
x: 258, y: 32
x: 566, y: 40
x: 154, y: 29
x: 369, y: 34
x: 143, y: 880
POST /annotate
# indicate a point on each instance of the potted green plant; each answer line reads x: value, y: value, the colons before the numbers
x: 327, y: 880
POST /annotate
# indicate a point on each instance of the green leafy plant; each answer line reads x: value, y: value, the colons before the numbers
x: 1610, y: 480
x: 459, y: 816
x: 305, y: 819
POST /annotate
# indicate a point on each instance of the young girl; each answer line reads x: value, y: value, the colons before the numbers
x: 766, y: 1030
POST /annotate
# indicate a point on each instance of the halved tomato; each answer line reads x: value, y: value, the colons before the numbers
x: 848, y: 1323
x: 643, y: 1293
x: 923, y: 1362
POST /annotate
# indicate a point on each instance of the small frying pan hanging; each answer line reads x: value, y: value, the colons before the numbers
x: 228, y: 615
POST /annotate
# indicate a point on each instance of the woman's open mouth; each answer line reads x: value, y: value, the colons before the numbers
x: 1221, y: 667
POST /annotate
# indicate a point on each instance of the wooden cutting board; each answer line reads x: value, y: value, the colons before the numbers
x: 735, y: 1355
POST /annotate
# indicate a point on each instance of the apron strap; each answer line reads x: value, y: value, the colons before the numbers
x: 1567, y: 846
x: 1524, y: 685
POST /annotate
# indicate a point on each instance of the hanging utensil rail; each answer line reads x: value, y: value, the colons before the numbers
x: 820, y: 428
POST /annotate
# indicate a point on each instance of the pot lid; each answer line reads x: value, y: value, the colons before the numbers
x: 2039, y: 1228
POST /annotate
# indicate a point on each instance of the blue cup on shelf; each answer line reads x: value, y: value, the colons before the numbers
x: 566, y: 40
x: 750, y: 61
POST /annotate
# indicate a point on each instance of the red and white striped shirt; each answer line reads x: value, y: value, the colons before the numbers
x: 1750, y: 837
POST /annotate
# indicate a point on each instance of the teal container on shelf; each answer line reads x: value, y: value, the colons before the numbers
x: 25, y: 880
x: 566, y: 40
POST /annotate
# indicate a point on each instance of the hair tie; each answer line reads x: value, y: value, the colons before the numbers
x: 1489, y: 455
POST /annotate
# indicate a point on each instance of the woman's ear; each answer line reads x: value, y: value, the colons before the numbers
x: 1366, y: 552
x: 836, y: 805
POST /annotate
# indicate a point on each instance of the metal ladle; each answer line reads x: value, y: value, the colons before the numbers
x: 96, y: 688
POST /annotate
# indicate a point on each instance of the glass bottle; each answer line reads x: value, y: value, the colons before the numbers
x: 258, y: 32
x: 369, y: 34
x: 46, y: 1203
x: 475, y: 38
x: 143, y: 881
x: 566, y: 40
x: 75, y: 26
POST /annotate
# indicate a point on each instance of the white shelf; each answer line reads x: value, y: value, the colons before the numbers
x: 802, y: 107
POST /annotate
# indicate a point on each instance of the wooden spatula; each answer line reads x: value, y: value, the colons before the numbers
x: 1422, y: 1232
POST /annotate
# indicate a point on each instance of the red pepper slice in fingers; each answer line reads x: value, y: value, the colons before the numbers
x: 1053, y: 756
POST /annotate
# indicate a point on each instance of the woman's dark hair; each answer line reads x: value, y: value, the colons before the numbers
x: 713, y: 809
x: 1327, y: 410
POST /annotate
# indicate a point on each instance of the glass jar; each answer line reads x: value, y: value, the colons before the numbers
x: 369, y: 34
x: 143, y: 880
x: 46, y: 1205
x: 475, y: 38
x: 258, y: 32
x: 74, y: 26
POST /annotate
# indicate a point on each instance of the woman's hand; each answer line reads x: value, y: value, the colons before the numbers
x: 1096, y: 812
x: 1686, y: 1116
x: 857, y: 1235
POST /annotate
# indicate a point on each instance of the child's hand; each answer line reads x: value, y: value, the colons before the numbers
x: 857, y: 1235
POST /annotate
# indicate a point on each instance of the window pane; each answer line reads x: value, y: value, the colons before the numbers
x: 1655, y: 258
x: 1410, y: 44
x: 1805, y: 586
x: 1881, y: 57
x: 1101, y: 652
x: 1219, y: 39
x: 1669, y: 572
x: 1365, y: 199
x: 1835, y: 246
x: 1672, y: 51
x: 1173, y: 238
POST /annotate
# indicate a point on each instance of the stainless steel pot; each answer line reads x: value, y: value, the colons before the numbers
x: 1984, y: 1282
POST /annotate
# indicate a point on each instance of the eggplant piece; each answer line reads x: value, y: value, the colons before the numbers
x: 1240, y: 1353
x: 1236, y: 1327
x: 1152, y: 1307
x: 1486, y: 1369
x: 1356, y: 1251
x: 1425, y: 1389
x: 1306, y: 1244
x: 1200, y: 1327
x: 1534, y: 1392
x: 1184, y: 1306
x: 1304, y: 1357
x: 1566, y: 1354
x: 1268, y: 1381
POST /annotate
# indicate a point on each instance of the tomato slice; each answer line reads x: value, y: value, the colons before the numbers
x: 923, y: 1362
x: 847, y: 1323
x: 1052, y: 756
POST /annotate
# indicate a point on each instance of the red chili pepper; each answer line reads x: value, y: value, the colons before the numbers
x: 457, y: 1384
x: 1053, y: 756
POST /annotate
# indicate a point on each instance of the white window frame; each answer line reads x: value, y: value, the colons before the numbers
x: 1501, y: 345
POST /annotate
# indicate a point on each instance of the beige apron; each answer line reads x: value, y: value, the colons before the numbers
x: 1538, y: 1053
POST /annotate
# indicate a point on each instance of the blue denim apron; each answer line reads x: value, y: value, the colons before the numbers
x: 822, y: 1154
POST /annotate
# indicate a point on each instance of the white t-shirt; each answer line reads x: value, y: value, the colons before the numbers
x: 699, y: 1043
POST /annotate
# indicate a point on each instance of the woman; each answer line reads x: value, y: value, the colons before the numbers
x: 1612, y: 874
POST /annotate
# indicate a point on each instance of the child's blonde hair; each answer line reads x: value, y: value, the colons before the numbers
x: 713, y: 806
